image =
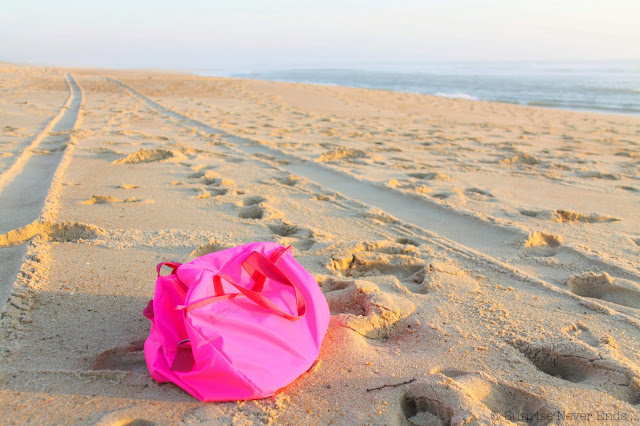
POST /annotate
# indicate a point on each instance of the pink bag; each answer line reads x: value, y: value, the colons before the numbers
x: 237, y: 324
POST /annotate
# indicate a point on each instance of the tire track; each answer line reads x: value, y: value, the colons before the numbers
x: 25, y: 186
x: 501, y: 245
x: 449, y: 224
x: 28, y: 151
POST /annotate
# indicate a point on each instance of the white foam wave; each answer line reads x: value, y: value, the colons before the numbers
x: 457, y: 96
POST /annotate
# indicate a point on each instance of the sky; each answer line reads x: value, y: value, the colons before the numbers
x: 239, y: 34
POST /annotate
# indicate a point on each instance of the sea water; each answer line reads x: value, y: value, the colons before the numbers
x: 600, y: 87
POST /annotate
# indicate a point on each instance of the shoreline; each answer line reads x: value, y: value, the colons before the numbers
x: 460, y: 94
x: 600, y: 111
x: 459, y: 91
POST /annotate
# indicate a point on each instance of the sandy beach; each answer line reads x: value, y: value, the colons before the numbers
x: 479, y: 258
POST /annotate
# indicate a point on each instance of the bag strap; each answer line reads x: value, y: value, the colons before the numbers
x: 258, y: 278
x: 177, y: 284
x: 218, y: 291
x: 258, y: 264
x: 172, y: 265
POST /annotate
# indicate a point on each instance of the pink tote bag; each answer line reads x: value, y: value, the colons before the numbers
x: 237, y: 324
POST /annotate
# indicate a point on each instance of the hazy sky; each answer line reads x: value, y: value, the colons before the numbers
x: 233, y: 34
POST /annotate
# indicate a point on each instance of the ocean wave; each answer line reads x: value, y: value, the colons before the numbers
x: 505, y: 101
x: 544, y: 104
x: 620, y: 109
x: 457, y: 96
x: 584, y: 88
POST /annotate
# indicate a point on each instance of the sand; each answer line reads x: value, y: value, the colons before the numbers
x: 480, y: 259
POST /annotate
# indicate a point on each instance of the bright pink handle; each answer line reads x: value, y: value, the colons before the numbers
x: 256, y: 262
x: 172, y: 265
x: 178, y: 285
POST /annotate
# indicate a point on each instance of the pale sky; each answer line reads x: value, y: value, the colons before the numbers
x: 199, y: 34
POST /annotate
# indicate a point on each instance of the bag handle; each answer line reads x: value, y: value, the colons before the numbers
x: 218, y: 291
x: 258, y: 264
x: 177, y: 284
x: 274, y: 258
x: 258, y: 278
x: 172, y: 265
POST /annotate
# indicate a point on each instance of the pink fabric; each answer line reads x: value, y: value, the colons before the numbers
x: 258, y: 336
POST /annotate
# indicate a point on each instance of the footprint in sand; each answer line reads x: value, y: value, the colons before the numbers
x: 441, y: 274
x: 251, y: 212
x: 410, y: 187
x: 360, y: 306
x: 207, y: 192
x: 579, y: 331
x: 561, y: 216
x: 52, y: 231
x: 575, y: 361
x: 522, y: 158
x: 253, y: 200
x: 107, y: 199
x: 407, y: 241
x: 219, y: 191
x: 290, y: 180
x: 342, y: 153
x: 454, y: 397
x: 202, y: 193
x: 378, y: 258
x: 291, y: 235
x: 124, y: 358
x: 325, y: 197
x: 285, y: 229
x: 455, y: 196
x: 120, y: 418
x: 186, y: 149
x: 566, y: 216
x: 208, y: 177
x: 542, y: 244
x: 210, y: 247
x: 211, y: 179
x: 127, y: 186
x: 254, y: 207
x: 532, y: 213
x: 479, y: 194
x: 599, y: 175
x: 603, y: 286
x: 429, y: 176
x: 379, y: 216
x: 151, y: 156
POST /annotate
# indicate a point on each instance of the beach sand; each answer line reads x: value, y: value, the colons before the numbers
x: 486, y: 253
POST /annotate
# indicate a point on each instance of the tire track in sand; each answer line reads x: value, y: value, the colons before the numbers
x: 25, y: 186
x: 497, y: 244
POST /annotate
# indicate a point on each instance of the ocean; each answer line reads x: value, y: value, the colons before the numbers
x: 599, y: 87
